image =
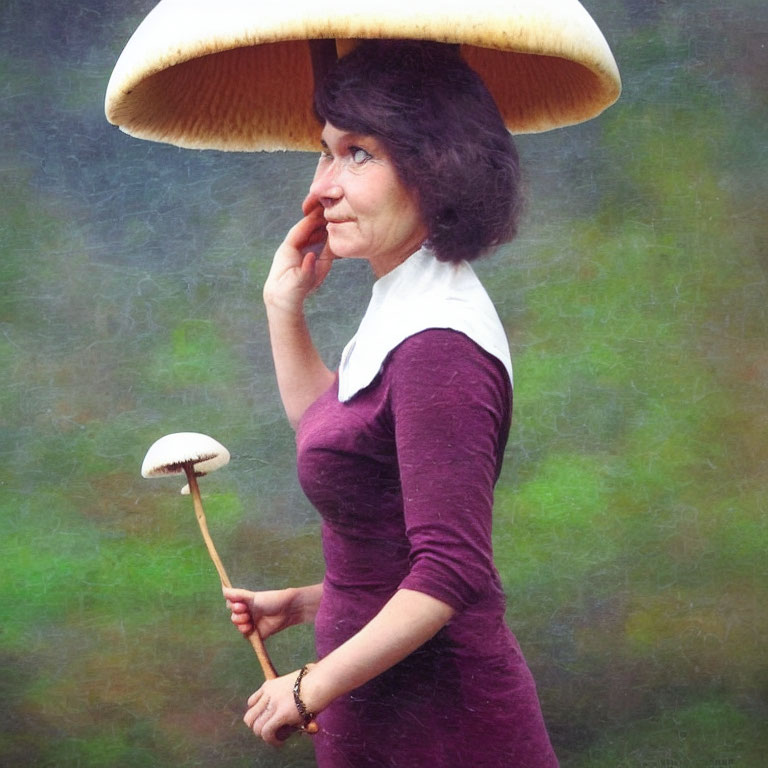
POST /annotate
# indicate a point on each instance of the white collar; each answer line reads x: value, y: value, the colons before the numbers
x: 418, y: 294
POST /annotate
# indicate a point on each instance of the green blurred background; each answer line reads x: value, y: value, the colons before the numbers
x: 631, y: 527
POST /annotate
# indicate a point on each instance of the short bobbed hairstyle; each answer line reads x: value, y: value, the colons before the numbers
x: 443, y: 132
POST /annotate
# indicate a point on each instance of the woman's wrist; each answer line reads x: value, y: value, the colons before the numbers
x: 313, y: 692
x: 283, y: 308
x: 305, y: 602
x: 306, y: 714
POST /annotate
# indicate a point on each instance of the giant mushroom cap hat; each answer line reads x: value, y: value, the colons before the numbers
x: 238, y: 74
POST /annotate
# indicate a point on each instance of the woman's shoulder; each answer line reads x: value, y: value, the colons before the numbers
x: 440, y: 385
x: 443, y: 357
x: 441, y: 345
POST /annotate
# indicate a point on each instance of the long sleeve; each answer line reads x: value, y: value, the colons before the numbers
x: 450, y: 404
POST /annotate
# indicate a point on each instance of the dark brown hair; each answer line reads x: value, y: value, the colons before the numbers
x: 444, y: 134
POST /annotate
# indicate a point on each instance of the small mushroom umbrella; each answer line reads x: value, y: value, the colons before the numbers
x: 195, y: 454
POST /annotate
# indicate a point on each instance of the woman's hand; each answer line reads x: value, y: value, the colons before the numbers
x: 272, y: 710
x: 300, y: 265
x: 272, y: 611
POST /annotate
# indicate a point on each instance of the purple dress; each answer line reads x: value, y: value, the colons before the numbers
x: 403, y: 476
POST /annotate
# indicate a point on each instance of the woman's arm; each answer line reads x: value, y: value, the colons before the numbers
x: 405, y: 622
x: 301, y: 374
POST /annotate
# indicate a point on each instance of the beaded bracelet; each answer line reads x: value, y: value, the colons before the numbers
x: 306, y: 715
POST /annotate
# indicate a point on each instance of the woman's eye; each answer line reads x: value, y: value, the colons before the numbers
x: 359, y: 155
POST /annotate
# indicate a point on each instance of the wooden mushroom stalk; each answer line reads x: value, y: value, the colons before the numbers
x: 194, y: 455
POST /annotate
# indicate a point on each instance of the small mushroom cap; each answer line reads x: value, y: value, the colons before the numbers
x: 169, y: 455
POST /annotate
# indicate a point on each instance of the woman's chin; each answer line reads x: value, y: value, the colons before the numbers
x: 341, y: 252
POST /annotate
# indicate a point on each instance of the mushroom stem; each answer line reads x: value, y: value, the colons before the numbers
x: 254, y: 638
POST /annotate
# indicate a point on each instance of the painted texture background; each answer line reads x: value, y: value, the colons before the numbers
x: 631, y: 528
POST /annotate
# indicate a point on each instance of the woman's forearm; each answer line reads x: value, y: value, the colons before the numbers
x: 308, y: 601
x: 405, y: 623
x: 295, y: 272
x: 302, y: 376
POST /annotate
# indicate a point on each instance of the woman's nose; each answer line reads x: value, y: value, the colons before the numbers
x: 325, y: 184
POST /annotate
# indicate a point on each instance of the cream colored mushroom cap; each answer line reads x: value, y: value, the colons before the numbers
x: 169, y: 455
x: 237, y: 74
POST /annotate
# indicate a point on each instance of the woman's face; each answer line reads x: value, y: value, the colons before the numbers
x: 369, y: 213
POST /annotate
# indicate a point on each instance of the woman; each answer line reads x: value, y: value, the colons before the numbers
x: 400, y: 450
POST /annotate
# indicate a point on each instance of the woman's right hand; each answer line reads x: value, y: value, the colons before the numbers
x: 301, y: 263
x: 271, y: 611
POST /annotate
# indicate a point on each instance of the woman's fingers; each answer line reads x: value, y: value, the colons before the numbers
x: 255, y: 698
x: 265, y: 720
x: 271, y: 711
x: 242, y: 622
x: 267, y: 611
x: 323, y: 266
x: 293, y: 276
x: 260, y: 708
x: 309, y: 229
x: 310, y: 203
x: 274, y: 731
x: 256, y: 716
x: 235, y: 595
x: 240, y: 604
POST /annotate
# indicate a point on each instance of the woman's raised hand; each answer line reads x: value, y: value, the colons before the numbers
x: 301, y: 263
